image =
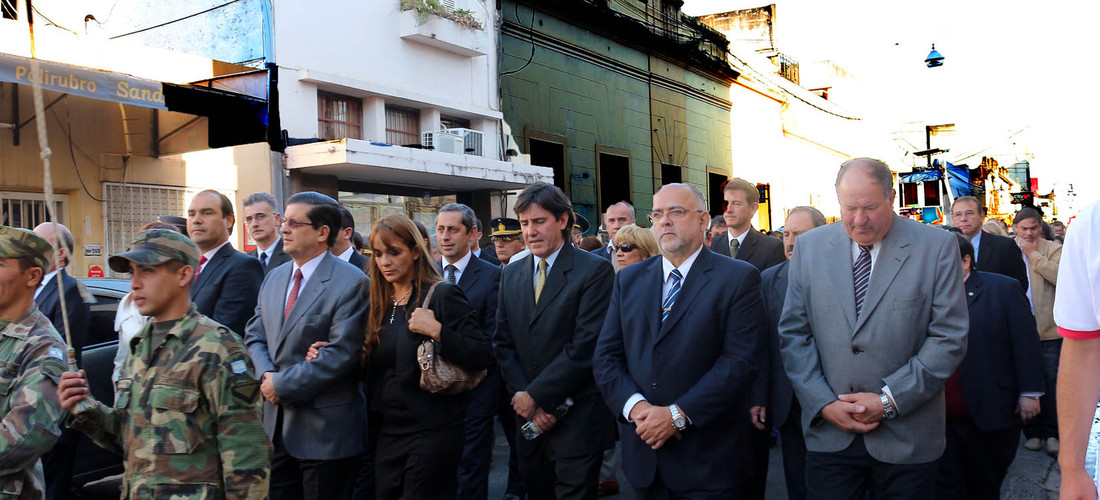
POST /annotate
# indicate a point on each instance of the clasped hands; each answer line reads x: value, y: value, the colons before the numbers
x: 653, y: 424
x: 859, y: 413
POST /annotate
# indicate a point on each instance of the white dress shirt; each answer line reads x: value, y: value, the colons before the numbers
x: 740, y: 238
x: 460, y: 266
x: 346, y: 256
x: 268, y: 251
x: 42, y: 284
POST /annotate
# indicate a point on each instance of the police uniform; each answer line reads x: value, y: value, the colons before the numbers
x: 505, y: 227
x: 31, y: 362
x: 186, y: 418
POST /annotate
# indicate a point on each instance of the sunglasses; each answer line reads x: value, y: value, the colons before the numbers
x: 626, y: 247
x: 505, y: 238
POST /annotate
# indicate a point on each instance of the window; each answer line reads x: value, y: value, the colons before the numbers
x: 715, y: 184
x: 909, y: 194
x: 550, y: 154
x: 614, y: 178
x: 402, y: 126
x: 339, y: 116
x: 671, y: 174
x: 931, y: 193
x: 27, y: 210
x: 453, y: 122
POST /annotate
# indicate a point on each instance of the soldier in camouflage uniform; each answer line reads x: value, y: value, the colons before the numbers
x: 187, y: 414
x: 31, y: 362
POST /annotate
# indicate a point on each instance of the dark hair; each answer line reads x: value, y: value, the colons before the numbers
x: 590, y: 243
x: 358, y: 241
x: 227, y: 205
x: 424, y: 236
x: 1026, y: 213
x: 469, y: 218
x: 323, y: 211
x: 346, y: 219
x: 261, y: 198
x: 816, y: 218
x: 878, y: 171
x: 551, y: 199
x: 965, y: 248
x: 1048, y: 233
x: 716, y: 220
x: 1057, y: 223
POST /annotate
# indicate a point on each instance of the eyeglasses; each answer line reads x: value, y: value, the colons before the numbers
x: 968, y: 213
x: 259, y: 217
x: 295, y: 224
x: 625, y: 247
x: 673, y: 214
x: 505, y: 238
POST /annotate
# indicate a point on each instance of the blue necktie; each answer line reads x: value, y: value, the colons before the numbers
x: 666, y: 308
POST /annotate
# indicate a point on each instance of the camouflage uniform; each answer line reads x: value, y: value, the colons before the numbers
x: 31, y: 362
x: 187, y: 413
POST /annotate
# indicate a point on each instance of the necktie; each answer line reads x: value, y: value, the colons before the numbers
x: 540, y: 281
x: 666, y: 308
x: 734, y: 245
x: 293, y: 293
x: 449, y: 272
x: 202, y: 264
x: 263, y: 259
x: 861, y: 275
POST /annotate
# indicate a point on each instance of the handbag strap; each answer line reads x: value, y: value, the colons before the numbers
x: 428, y: 296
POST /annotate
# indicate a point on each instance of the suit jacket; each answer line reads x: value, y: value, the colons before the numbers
x: 489, y: 254
x: 702, y: 358
x: 1043, y: 273
x: 604, y: 253
x: 278, y: 256
x: 1000, y: 254
x: 910, y: 336
x: 1002, y: 354
x: 772, y: 389
x: 324, y: 414
x: 461, y: 343
x: 49, y: 303
x: 546, y: 349
x: 758, y: 249
x: 226, y: 289
x: 480, y: 282
x: 359, y: 260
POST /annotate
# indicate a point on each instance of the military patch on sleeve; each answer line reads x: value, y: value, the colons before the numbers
x: 246, y: 393
x: 53, y: 368
x: 238, y: 366
x: 56, y: 353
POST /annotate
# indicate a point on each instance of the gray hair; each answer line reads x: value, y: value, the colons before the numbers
x: 970, y: 199
x: 628, y: 205
x: 816, y: 217
x: 878, y: 171
x: 469, y: 218
x: 254, y: 198
x: 716, y: 220
x: 698, y: 194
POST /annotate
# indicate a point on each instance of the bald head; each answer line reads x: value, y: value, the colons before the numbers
x: 65, y: 248
x: 869, y: 170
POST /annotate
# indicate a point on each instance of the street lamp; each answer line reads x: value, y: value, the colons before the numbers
x: 934, y: 59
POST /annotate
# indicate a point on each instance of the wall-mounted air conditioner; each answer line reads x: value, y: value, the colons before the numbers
x: 443, y: 141
x: 472, y: 139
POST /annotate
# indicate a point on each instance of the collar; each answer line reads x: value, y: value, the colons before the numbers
x: 25, y: 318
x: 42, y: 285
x: 977, y: 238
x: 741, y: 237
x: 270, y: 249
x: 307, y: 268
x: 477, y: 253
x: 461, y: 264
x: 685, y: 267
x: 611, y: 246
x: 346, y: 256
x: 209, y: 254
x: 549, y: 260
x: 174, y: 332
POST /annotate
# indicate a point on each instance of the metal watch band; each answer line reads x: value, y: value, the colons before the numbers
x: 888, y: 410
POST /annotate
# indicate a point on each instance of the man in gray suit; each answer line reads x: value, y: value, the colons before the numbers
x: 875, y: 321
x: 314, y: 412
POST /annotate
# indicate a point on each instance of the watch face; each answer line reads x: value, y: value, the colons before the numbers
x: 679, y: 423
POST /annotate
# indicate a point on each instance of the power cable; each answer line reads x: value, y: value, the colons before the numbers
x: 532, y: 28
x: 36, y: 11
x: 72, y: 155
x: 216, y: 7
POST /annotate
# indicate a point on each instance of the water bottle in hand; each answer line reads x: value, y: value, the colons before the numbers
x: 530, y: 431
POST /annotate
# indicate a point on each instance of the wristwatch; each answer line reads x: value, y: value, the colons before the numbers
x: 678, y: 420
x: 888, y: 410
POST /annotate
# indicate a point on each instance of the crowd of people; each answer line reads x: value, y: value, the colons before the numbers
x: 891, y: 359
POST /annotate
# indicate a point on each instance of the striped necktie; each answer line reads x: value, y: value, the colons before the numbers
x: 449, y: 271
x: 666, y: 308
x: 861, y: 275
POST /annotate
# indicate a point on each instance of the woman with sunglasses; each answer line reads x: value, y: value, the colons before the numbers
x: 419, y: 434
x: 634, y: 244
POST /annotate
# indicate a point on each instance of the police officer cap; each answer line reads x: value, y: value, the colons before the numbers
x: 17, y: 243
x: 174, y: 220
x: 504, y: 226
x: 582, y: 223
x: 155, y: 247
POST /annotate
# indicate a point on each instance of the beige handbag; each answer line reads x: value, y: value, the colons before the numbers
x: 439, y: 376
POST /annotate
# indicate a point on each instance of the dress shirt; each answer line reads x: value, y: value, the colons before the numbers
x: 42, y: 284
x: 549, y: 265
x: 1027, y: 265
x: 611, y: 246
x: 740, y: 238
x: 477, y: 253
x: 666, y: 270
x: 874, y: 258
x: 346, y: 256
x: 268, y: 251
x: 307, y: 271
x: 976, y: 241
x: 460, y: 266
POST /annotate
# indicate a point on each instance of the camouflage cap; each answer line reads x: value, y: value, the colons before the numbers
x: 16, y: 243
x: 155, y: 247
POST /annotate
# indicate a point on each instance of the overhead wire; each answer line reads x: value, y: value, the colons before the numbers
x: 166, y: 23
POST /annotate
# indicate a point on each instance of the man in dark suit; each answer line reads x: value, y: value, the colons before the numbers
x: 314, y: 411
x: 343, y: 247
x: 996, y: 387
x: 742, y: 241
x: 994, y: 253
x: 57, y: 464
x: 551, y: 306
x: 676, y: 357
x: 489, y: 255
x: 454, y: 227
x: 772, y: 400
x: 227, y: 281
x: 873, y: 324
x: 614, y: 218
x: 262, y: 220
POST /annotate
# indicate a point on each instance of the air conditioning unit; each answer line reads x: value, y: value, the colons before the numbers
x: 443, y: 142
x: 472, y: 139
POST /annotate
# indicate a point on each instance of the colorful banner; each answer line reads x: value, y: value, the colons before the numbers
x: 83, y: 82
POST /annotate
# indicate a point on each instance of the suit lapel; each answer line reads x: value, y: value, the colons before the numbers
x: 894, y: 252
x: 748, y: 248
x: 697, y: 279
x: 274, y: 301
x: 469, y: 277
x: 555, y: 280
x: 522, y: 286
x: 983, y: 251
x: 973, y: 288
x: 651, y: 295
x: 211, y: 266
x: 780, y: 286
x: 722, y: 246
x: 312, y: 291
x: 839, y: 262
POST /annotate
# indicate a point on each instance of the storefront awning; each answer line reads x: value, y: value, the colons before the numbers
x: 357, y: 160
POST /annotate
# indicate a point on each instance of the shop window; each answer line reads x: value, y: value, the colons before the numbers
x: 27, y: 210
x: 339, y: 116
x: 402, y: 126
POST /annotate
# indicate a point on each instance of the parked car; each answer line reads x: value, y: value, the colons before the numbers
x: 92, y: 462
